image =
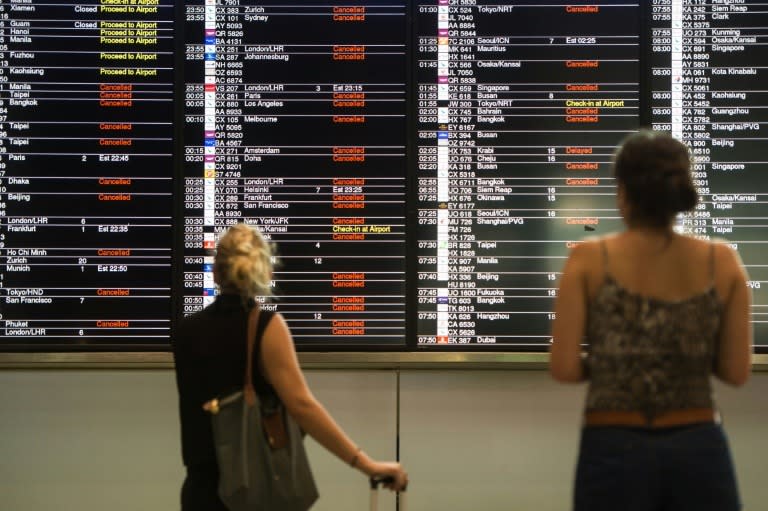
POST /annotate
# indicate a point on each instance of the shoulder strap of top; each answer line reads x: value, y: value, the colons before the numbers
x: 712, y: 263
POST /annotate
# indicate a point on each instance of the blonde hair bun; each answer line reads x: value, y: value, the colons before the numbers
x: 244, y: 262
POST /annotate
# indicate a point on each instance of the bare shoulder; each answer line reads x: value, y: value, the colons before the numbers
x: 277, y: 329
x: 703, y: 250
x: 730, y: 273
x: 277, y: 335
x: 587, y: 248
x: 726, y: 256
x: 276, y: 321
x: 590, y: 251
x: 586, y: 258
x: 277, y: 349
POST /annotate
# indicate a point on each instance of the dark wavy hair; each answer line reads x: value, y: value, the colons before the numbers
x: 655, y: 170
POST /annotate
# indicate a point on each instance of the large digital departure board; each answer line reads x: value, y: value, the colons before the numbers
x: 709, y: 69
x: 86, y: 169
x: 296, y: 123
x: 520, y: 108
x: 422, y: 167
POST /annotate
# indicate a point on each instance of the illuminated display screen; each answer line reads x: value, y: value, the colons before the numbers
x: 422, y: 167
x: 296, y: 123
x: 519, y: 110
x: 86, y: 173
x: 709, y: 67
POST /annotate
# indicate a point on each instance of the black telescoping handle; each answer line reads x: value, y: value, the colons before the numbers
x: 377, y: 480
x: 374, y: 501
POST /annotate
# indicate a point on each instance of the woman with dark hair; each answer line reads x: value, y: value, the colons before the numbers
x: 209, y: 350
x: 660, y: 312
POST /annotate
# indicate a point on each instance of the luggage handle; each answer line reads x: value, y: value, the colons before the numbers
x: 375, y: 481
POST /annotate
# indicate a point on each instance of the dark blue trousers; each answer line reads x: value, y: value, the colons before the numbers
x: 687, y: 468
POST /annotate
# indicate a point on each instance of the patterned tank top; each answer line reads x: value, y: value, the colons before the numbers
x: 651, y: 355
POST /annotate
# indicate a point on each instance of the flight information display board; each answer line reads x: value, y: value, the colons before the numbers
x: 296, y: 123
x: 422, y: 167
x: 86, y: 169
x: 709, y: 69
x: 520, y: 107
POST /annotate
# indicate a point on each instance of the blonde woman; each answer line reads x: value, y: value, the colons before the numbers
x: 209, y: 353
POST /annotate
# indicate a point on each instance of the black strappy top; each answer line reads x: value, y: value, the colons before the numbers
x: 209, y: 351
x: 651, y: 355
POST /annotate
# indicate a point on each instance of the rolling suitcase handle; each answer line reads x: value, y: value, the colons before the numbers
x: 375, y: 482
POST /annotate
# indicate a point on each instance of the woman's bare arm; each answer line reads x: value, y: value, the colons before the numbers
x: 734, y: 352
x: 281, y: 367
x: 568, y: 328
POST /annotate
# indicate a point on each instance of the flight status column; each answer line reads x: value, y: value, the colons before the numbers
x: 709, y: 69
x: 520, y: 106
x: 86, y: 105
x: 295, y: 122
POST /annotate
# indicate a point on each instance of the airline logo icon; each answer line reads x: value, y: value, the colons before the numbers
x: 442, y: 114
